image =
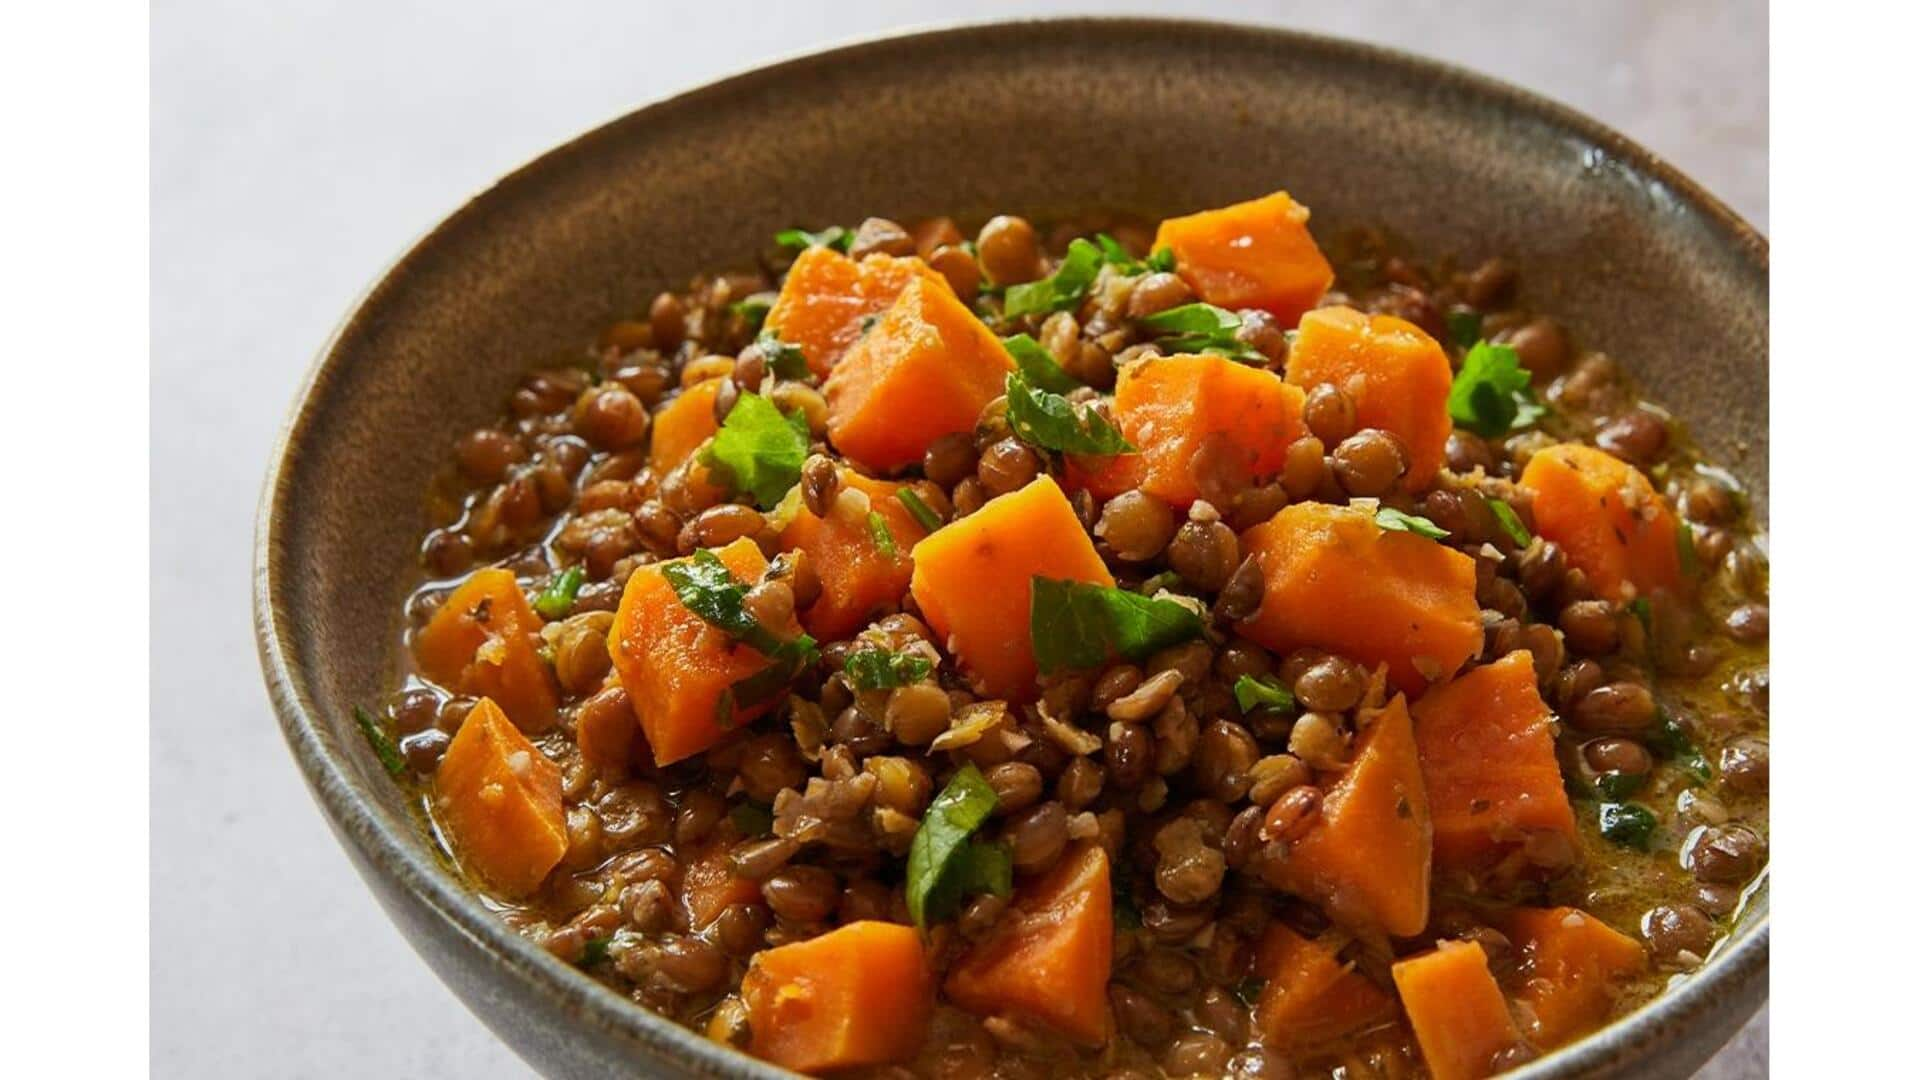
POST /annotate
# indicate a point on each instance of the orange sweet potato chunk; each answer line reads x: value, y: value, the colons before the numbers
x: 826, y: 296
x: 1486, y: 748
x: 710, y: 886
x: 682, y: 425
x: 1311, y: 997
x: 973, y: 580
x: 1368, y: 858
x: 926, y: 368
x: 1395, y: 374
x: 1255, y: 254
x: 1609, y: 519
x: 484, y: 641
x: 857, y: 578
x: 1171, y: 407
x: 1457, y: 1011
x: 1337, y: 581
x: 1571, y: 965
x: 859, y: 995
x: 499, y: 799
x: 675, y: 666
x: 1049, y: 959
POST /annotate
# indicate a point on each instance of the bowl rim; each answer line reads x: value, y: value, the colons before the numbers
x: 337, y: 787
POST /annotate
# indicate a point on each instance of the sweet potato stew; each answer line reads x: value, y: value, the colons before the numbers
x: 1096, y: 650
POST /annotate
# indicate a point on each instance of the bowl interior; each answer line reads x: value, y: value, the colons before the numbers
x: 1037, y: 118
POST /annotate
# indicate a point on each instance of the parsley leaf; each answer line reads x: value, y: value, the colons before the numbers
x: 1051, y: 422
x: 1671, y: 741
x: 594, y: 952
x: 1161, y: 260
x: 833, y: 236
x: 381, y: 742
x: 1077, y: 625
x: 874, y: 668
x: 1510, y: 522
x: 1064, y: 288
x: 759, y: 451
x: 1493, y: 394
x: 1463, y: 326
x: 1251, y: 694
x: 940, y: 864
x: 557, y: 598
x: 1201, y: 328
x: 708, y: 589
x: 784, y: 360
x: 1628, y: 824
x: 1689, y: 558
x: 1397, y: 521
x: 753, y: 309
x: 1039, y: 366
x: 1118, y: 256
x: 1617, y: 786
x: 918, y: 507
x: 882, y: 536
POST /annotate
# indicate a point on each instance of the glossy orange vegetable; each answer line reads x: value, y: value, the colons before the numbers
x: 499, y: 801
x: 858, y: 995
x: 1571, y: 966
x: 1368, y: 858
x: 973, y: 581
x: 682, y: 425
x: 1486, y: 749
x: 1193, y: 413
x: 1456, y: 1009
x: 1311, y: 996
x: 1049, y: 958
x: 827, y: 296
x: 675, y: 666
x: 1255, y: 254
x: 857, y: 578
x: 925, y: 369
x: 1608, y: 518
x: 1337, y: 581
x: 1395, y: 374
x: 710, y: 886
x: 484, y: 641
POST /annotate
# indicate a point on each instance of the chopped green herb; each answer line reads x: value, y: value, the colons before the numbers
x: 751, y: 819
x: 1617, y: 786
x: 1051, y: 422
x: 882, y: 536
x: 1248, y: 990
x: 1671, y: 741
x: 1463, y: 326
x: 1161, y: 260
x: 557, y: 598
x: 1492, y: 394
x: 833, y: 236
x: 1201, y: 328
x: 594, y: 952
x: 758, y: 451
x: 1165, y: 579
x: 784, y: 360
x: 1118, y: 256
x: 1252, y: 694
x: 1689, y: 558
x: 940, y: 864
x: 1397, y: 521
x: 1077, y: 625
x: 708, y: 589
x: 918, y: 507
x: 1642, y: 610
x: 1510, y: 522
x: 753, y: 309
x: 1039, y: 366
x: 1628, y: 824
x: 1062, y: 289
x: 381, y: 742
x: 874, y: 668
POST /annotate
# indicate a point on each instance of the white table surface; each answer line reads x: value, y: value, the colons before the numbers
x: 295, y: 152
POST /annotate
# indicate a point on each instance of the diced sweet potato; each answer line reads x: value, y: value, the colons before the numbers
x: 856, y: 576
x: 827, y: 296
x: 1312, y: 998
x: 499, y: 800
x: 1368, y: 857
x: 710, y: 886
x: 1049, y: 958
x: 1457, y: 1012
x: 859, y: 995
x: 1571, y: 966
x: 926, y: 368
x: 1395, y: 374
x: 973, y: 580
x: 1608, y: 518
x: 484, y: 641
x: 1486, y: 748
x: 1337, y: 581
x: 1173, y: 407
x: 1255, y: 254
x: 682, y: 425
x: 675, y: 666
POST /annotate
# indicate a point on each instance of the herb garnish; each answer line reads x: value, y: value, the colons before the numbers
x: 918, y: 507
x: 708, y: 589
x: 1493, y: 394
x: 784, y: 360
x: 751, y: 819
x: 1051, y: 422
x: 753, y: 309
x: 1398, y: 521
x: 1617, y: 786
x: 594, y: 952
x: 381, y: 742
x: 1252, y: 694
x: 1689, y: 559
x: 1039, y: 366
x: 758, y: 451
x: 1077, y: 625
x: 1510, y: 522
x: 557, y: 598
x: 1062, y: 289
x: 1201, y: 328
x: 874, y: 668
x: 945, y: 863
x: 1463, y: 326
x: 882, y: 536
x: 1671, y: 741
x: 834, y: 236
x: 1628, y: 824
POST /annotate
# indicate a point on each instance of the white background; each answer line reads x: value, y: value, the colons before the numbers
x: 294, y: 152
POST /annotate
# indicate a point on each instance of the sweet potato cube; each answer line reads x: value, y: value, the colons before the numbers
x: 1486, y: 749
x: 499, y: 799
x: 827, y: 296
x: 1312, y: 998
x: 484, y: 641
x: 973, y: 580
x: 1608, y: 518
x: 682, y: 424
x: 859, y: 995
x: 1337, y: 581
x: 925, y: 369
x: 857, y: 578
x: 1571, y: 967
x: 1048, y: 960
x: 711, y: 886
x: 1255, y: 254
x: 1395, y: 374
x: 1457, y: 1011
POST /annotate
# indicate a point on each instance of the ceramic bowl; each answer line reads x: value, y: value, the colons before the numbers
x: 1039, y: 118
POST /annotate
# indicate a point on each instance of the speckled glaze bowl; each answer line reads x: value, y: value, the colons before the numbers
x: 1041, y: 118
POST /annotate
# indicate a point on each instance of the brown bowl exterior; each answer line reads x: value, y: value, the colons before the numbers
x: 1042, y: 118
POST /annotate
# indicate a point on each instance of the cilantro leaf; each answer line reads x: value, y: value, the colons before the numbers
x: 1251, y: 694
x: 834, y: 236
x: 882, y: 536
x: 1689, y: 558
x: 1463, y: 326
x: 594, y: 952
x: 707, y: 588
x: 1064, y: 288
x: 1201, y: 328
x: 1628, y: 824
x: 1397, y: 521
x: 753, y: 309
x: 381, y: 742
x: 1039, y: 366
x: 557, y: 598
x: 1161, y: 260
x: 874, y: 668
x: 784, y: 360
x: 1493, y: 394
x: 758, y: 451
x: 918, y: 507
x: 1671, y: 741
x: 1077, y: 625
x: 1510, y: 522
x: 940, y: 846
x: 1617, y: 786
x: 1051, y: 422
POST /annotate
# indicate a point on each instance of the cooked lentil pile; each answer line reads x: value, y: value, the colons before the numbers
x: 1097, y: 651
